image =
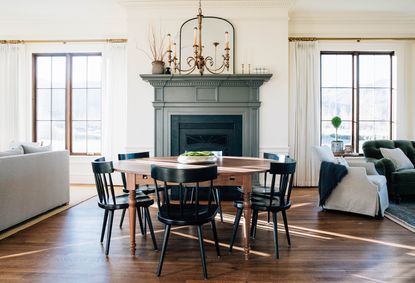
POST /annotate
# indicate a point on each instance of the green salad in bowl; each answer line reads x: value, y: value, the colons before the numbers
x: 197, y: 157
x: 198, y: 153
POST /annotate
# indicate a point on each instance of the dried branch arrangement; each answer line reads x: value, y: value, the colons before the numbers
x: 157, y: 45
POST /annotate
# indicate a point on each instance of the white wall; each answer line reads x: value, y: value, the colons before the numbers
x: 61, y: 19
x: 261, y: 40
x: 57, y: 19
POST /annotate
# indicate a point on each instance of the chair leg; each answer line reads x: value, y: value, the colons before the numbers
x: 104, y: 224
x: 274, y: 219
x: 192, y: 193
x: 202, y: 250
x: 111, y: 214
x: 215, y: 237
x: 144, y: 221
x: 235, y: 228
x: 287, y: 233
x: 150, y: 227
x: 254, y: 223
x: 140, y: 221
x: 163, y: 249
x: 268, y: 218
x: 122, y: 217
x: 219, y: 203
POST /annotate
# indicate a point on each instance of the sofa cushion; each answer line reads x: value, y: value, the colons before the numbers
x: 14, y: 151
x: 36, y: 148
x: 398, y: 157
x: 15, y: 144
x: 404, y: 176
x: 324, y: 153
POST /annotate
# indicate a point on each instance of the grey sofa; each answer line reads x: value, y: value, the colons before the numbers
x: 400, y: 182
x: 31, y: 184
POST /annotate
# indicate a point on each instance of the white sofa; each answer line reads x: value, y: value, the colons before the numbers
x: 361, y: 191
x: 31, y: 184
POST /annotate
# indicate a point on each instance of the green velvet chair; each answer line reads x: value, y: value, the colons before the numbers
x: 400, y: 182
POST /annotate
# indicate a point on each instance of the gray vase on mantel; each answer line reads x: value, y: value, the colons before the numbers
x: 337, y: 146
x: 157, y: 67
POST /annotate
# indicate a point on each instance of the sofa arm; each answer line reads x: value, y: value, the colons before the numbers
x: 384, y: 167
x: 369, y: 166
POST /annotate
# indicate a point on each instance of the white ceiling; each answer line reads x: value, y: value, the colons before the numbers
x: 350, y: 6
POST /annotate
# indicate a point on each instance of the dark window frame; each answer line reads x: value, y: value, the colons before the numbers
x: 68, y: 97
x: 355, y: 92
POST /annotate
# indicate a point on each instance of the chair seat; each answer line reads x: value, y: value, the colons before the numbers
x: 263, y: 204
x: 121, y: 202
x: 172, y: 215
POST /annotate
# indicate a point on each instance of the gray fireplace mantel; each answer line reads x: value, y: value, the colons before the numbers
x: 207, y: 95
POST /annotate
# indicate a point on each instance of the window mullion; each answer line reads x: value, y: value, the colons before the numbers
x: 357, y: 105
x: 68, y: 108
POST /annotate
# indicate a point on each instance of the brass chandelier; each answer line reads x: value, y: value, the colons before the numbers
x: 198, y: 60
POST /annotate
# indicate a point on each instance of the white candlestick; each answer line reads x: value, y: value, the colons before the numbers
x: 169, y: 39
x: 195, y: 36
x: 174, y: 49
x: 226, y: 39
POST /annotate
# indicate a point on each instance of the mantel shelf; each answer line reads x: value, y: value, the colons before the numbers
x: 229, y: 80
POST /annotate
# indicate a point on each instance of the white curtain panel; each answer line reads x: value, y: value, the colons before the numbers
x: 304, y: 110
x: 114, y: 114
x: 14, y: 94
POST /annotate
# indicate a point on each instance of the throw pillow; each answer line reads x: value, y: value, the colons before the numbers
x: 15, y: 151
x: 398, y: 158
x: 16, y: 144
x: 324, y: 153
x: 36, y: 149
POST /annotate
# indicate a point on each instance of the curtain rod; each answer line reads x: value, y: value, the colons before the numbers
x: 348, y: 38
x: 110, y: 40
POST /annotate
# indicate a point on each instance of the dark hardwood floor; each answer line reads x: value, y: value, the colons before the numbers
x: 326, y: 246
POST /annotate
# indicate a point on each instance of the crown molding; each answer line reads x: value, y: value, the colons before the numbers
x: 287, y: 4
x: 354, y: 18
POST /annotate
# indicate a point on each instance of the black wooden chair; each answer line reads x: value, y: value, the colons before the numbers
x: 182, y: 213
x: 110, y: 202
x: 216, y: 192
x: 140, y: 191
x: 272, y: 202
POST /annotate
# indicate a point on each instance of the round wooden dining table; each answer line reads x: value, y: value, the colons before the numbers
x: 232, y: 171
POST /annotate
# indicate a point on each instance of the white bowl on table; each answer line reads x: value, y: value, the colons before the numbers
x: 196, y: 159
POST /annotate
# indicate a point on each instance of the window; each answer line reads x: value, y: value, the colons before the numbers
x: 67, y: 101
x: 358, y: 87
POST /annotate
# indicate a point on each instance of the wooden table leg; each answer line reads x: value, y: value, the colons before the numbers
x: 247, y: 188
x: 131, y: 209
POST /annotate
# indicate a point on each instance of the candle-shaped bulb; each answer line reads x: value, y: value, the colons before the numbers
x: 169, y: 40
x: 195, y: 36
x: 226, y: 39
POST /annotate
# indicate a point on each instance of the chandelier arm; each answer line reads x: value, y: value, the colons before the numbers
x: 191, y: 69
x: 188, y: 71
x: 218, y: 70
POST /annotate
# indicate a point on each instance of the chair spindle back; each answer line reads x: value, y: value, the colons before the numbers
x: 103, y: 180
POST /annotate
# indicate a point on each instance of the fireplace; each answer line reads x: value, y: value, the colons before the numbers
x: 214, y: 112
x: 206, y: 133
